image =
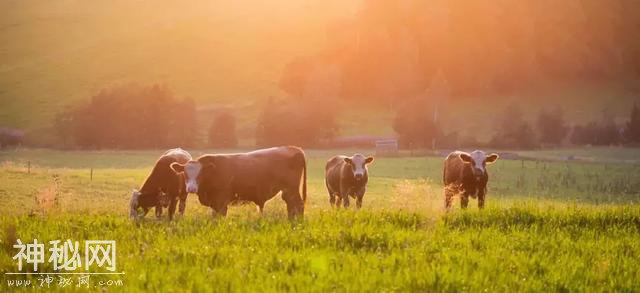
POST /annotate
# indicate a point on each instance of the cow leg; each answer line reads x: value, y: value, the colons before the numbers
x: 359, y: 197
x: 146, y: 210
x: 220, y: 211
x: 172, y: 207
x: 345, y: 199
x: 183, y: 202
x: 332, y: 199
x: 448, y: 198
x: 220, y: 207
x: 260, y: 208
x: 158, y: 211
x: 295, y: 205
x: 481, y: 194
x: 464, y: 200
x: 338, y: 201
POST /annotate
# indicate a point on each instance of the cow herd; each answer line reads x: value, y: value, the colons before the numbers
x: 222, y: 179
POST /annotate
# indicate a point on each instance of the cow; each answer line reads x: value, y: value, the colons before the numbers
x: 257, y: 176
x: 163, y: 187
x: 347, y: 177
x: 466, y: 174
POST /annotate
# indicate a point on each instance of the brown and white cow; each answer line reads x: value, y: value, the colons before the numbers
x: 163, y: 187
x: 347, y: 177
x: 220, y: 179
x: 466, y: 174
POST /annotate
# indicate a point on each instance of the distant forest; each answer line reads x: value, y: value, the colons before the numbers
x: 392, y: 50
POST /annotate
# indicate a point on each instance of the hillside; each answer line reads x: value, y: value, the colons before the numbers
x: 54, y: 54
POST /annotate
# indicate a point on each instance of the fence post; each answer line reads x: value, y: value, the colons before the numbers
x: 28, y: 167
x: 91, y: 175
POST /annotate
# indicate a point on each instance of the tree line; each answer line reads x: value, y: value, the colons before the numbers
x: 136, y: 116
x: 417, y: 128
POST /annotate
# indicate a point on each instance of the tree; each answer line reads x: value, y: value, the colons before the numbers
x: 414, y: 123
x: 130, y: 116
x: 512, y: 130
x: 222, y: 133
x: 632, y: 131
x: 306, y: 122
x: 551, y: 126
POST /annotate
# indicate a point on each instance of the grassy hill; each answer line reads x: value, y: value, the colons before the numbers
x: 57, y: 53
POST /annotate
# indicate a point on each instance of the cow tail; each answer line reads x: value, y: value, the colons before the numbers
x: 304, y: 181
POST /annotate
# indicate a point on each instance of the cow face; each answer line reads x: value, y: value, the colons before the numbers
x: 134, y: 204
x: 193, y: 171
x: 478, y: 161
x: 358, y: 164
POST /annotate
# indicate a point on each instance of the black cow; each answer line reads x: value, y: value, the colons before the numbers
x: 347, y: 177
x: 466, y: 174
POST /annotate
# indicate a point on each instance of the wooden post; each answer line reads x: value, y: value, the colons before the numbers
x: 28, y: 167
x: 91, y: 175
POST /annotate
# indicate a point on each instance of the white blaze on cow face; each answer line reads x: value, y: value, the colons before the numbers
x: 358, y: 165
x: 479, y: 160
x: 191, y: 172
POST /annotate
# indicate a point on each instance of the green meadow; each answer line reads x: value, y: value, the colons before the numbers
x: 549, y: 225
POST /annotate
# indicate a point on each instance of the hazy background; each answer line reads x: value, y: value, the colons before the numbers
x: 361, y: 60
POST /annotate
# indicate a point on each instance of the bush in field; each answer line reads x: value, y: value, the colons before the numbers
x: 222, y: 132
x: 512, y: 131
x: 414, y: 124
x: 305, y: 122
x: 129, y: 117
x: 10, y: 137
x: 551, y: 127
x: 632, y: 131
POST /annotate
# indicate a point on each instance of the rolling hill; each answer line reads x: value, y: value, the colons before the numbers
x: 57, y: 53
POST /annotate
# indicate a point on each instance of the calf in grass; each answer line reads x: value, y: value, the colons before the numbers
x: 347, y: 177
x: 163, y: 187
x: 466, y: 174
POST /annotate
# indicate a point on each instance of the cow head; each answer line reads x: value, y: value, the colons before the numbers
x: 358, y: 164
x: 134, y: 204
x: 193, y: 173
x: 478, y: 161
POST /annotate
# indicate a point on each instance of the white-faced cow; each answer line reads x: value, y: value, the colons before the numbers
x: 466, y: 174
x: 257, y: 176
x: 347, y: 177
x: 163, y: 187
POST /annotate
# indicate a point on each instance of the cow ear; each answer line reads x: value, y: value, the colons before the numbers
x: 349, y: 161
x: 177, y: 167
x: 369, y: 160
x: 466, y: 158
x: 491, y: 158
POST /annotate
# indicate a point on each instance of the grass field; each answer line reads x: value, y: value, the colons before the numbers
x: 548, y: 225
